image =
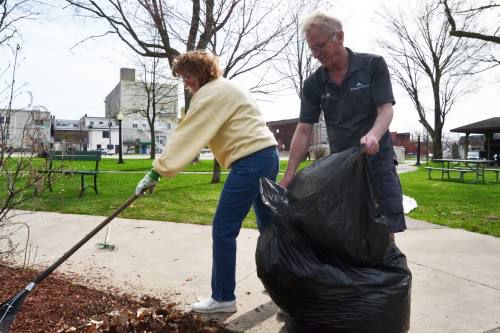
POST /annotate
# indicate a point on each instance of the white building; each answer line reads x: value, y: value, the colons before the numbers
x: 25, y: 129
x: 319, y: 145
x: 69, y: 135
x: 130, y: 97
x: 102, y: 133
x: 87, y: 133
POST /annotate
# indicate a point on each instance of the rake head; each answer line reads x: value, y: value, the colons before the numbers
x: 106, y: 246
x: 10, y: 308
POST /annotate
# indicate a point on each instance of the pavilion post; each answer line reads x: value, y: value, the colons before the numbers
x: 466, y: 147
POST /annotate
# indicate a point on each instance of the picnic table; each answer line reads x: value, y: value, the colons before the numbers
x: 460, y: 166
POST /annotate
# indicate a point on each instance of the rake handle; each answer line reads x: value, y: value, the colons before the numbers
x: 84, y: 240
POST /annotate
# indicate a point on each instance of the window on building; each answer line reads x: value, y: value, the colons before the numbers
x: 134, y: 125
x: 99, y: 146
x: 91, y: 123
x: 105, y: 134
x: 101, y: 123
x: 169, y: 126
x: 144, y: 125
x: 2, y: 119
x: 38, y: 122
x: 110, y: 147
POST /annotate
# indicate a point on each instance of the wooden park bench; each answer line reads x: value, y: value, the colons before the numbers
x: 446, y: 171
x: 56, y: 166
x: 496, y: 171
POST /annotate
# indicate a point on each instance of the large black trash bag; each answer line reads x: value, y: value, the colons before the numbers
x: 333, y: 203
x: 326, y: 259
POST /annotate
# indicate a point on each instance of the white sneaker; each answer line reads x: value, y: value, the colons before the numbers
x: 209, y: 305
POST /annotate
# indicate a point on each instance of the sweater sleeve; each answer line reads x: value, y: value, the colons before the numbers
x: 189, y: 138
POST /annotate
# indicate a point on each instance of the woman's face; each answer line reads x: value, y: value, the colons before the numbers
x: 191, y: 82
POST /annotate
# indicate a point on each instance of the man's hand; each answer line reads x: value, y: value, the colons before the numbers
x: 371, y: 144
x: 299, y: 147
x: 286, y: 180
x: 147, y: 183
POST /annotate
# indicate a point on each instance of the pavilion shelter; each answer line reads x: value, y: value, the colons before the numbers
x: 490, y: 128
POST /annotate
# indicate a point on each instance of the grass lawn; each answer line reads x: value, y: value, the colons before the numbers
x: 187, y: 198
x: 107, y: 164
x: 190, y: 198
x: 471, y: 206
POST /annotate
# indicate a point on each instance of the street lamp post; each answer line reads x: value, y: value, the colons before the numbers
x: 119, y: 117
x: 418, y: 150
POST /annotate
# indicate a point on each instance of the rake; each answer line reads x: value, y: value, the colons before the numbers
x: 10, y: 308
x: 106, y: 245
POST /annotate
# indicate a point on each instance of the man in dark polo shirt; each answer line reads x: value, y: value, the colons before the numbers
x: 354, y: 92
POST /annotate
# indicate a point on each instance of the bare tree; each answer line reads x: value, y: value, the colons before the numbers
x: 11, y: 13
x: 487, y: 12
x: 22, y: 176
x: 253, y: 37
x: 155, y: 97
x: 296, y: 62
x: 178, y: 26
x: 431, y: 65
x: 466, y: 14
x: 17, y: 178
x: 299, y: 62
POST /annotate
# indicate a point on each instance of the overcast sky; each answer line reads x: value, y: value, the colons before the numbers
x: 73, y: 81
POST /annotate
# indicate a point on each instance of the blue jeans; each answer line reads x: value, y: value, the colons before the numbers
x: 241, y: 191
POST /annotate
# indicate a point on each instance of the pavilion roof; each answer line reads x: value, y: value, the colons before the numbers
x: 483, y: 126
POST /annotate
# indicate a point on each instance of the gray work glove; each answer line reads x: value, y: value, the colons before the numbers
x: 147, y: 183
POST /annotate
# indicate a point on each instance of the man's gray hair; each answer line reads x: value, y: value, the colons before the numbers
x: 325, y: 23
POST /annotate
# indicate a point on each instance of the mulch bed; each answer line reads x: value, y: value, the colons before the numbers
x: 59, y: 305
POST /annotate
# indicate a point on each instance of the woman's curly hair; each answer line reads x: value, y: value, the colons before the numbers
x: 201, y: 64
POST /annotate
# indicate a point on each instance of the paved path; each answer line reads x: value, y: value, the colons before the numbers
x: 456, y: 284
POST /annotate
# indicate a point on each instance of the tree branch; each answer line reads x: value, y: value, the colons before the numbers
x: 469, y: 34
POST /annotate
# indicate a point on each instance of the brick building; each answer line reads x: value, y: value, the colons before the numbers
x: 404, y: 140
x: 283, y: 132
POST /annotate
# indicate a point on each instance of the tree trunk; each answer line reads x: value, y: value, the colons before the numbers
x: 216, y: 173
x: 187, y: 101
x: 153, y: 142
x: 437, y: 144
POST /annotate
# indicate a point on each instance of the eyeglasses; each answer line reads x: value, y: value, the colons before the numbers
x: 318, y: 48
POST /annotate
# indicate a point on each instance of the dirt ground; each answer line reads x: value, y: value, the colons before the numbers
x: 60, y: 305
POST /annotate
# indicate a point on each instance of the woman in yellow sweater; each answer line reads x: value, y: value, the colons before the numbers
x: 227, y: 119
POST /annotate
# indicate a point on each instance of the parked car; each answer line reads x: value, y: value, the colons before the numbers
x: 106, y: 151
x: 206, y: 151
x: 473, y: 155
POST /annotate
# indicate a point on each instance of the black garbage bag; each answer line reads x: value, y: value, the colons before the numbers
x: 326, y: 259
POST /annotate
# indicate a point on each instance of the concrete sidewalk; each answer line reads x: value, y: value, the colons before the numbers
x: 456, y: 274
